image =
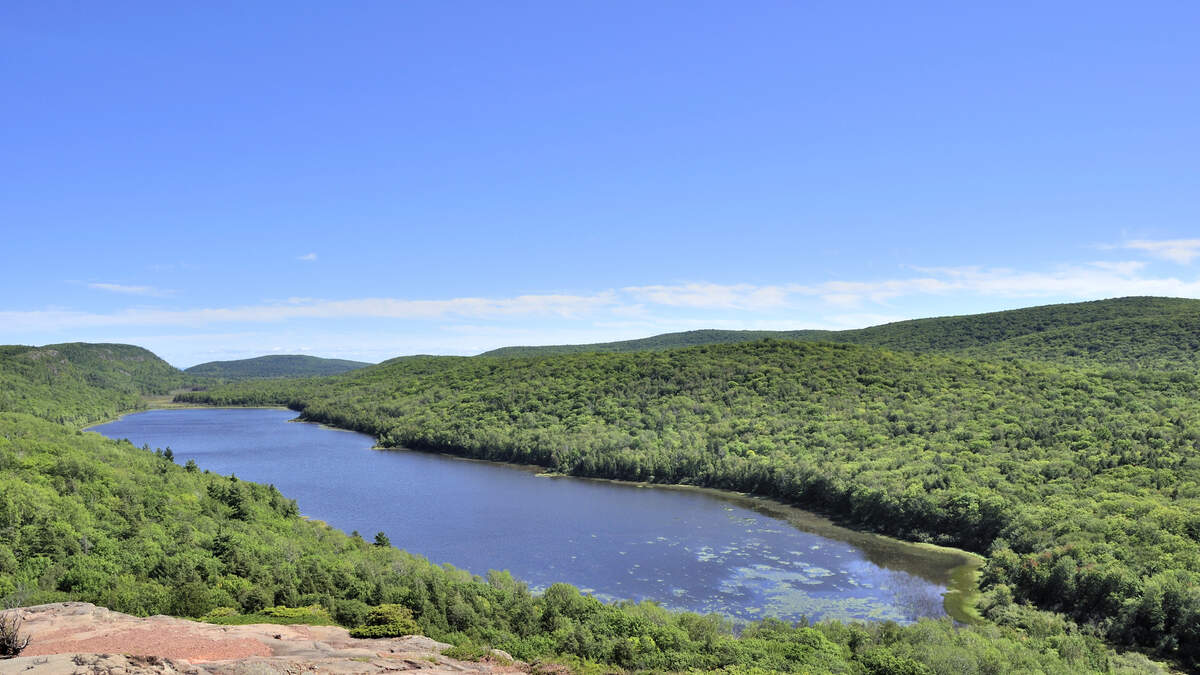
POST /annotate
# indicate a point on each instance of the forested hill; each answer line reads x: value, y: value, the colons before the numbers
x: 1146, y: 332
x: 282, y: 365
x: 77, y: 383
x: 1081, y: 484
x: 1167, y: 342
x: 86, y: 518
x: 691, y: 338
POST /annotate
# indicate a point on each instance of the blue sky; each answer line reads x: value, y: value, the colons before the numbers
x: 365, y: 180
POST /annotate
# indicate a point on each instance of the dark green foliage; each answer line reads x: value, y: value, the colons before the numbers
x: 965, y: 333
x: 350, y: 612
x: 1162, y: 333
x: 1082, y: 483
x: 1168, y: 342
x: 388, y: 620
x: 1085, y: 476
x: 142, y: 536
x: 274, y: 366
x: 381, y: 539
x: 691, y: 338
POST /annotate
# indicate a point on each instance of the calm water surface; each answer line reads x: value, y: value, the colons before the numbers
x: 687, y: 549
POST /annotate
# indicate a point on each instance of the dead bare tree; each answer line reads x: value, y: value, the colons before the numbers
x: 12, y: 643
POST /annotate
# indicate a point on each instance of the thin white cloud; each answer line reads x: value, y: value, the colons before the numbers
x: 1095, y: 280
x: 307, y: 257
x: 561, y: 306
x: 1124, y: 268
x: 130, y: 290
x: 657, y: 308
x: 1181, y: 251
x: 712, y: 296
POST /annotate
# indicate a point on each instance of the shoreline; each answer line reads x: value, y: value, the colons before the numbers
x: 961, y: 579
x: 152, y: 404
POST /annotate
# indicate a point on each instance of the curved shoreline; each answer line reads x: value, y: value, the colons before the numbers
x: 958, y: 570
x: 961, y: 578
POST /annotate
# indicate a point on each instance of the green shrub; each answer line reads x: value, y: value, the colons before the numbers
x: 468, y: 651
x: 389, y: 614
x: 297, y: 612
x: 350, y: 612
x: 387, y: 630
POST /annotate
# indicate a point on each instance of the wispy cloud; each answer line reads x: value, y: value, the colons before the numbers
x: 1182, y: 251
x: 307, y: 257
x: 561, y: 306
x: 130, y: 290
x: 711, y: 296
x: 1125, y: 268
x: 1093, y: 280
x: 634, y: 310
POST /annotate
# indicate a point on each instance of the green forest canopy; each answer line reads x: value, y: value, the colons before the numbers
x: 86, y: 518
x: 1079, y: 482
x: 1145, y: 332
x: 1082, y: 484
x: 276, y: 365
x: 78, y: 383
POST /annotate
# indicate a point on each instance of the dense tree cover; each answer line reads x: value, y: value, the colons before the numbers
x: 958, y: 333
x: 1082, y: 485
x: 77, y: 383
x: 1142, y: 332
x: 279, y: 365
x: 1168, y: 342
x: 691, y: 338
x: 87, y: 518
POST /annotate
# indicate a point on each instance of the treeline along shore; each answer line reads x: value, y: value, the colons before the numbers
x: 1078, y: 480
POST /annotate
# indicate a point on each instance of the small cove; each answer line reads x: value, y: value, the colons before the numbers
x: 687, y: 548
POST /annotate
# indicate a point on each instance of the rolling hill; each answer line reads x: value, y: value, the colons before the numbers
x: 283, y: 365
x: 77, y: 383
x: 84, y: 517
x: 1135, y: 332
x: 1079, y: 482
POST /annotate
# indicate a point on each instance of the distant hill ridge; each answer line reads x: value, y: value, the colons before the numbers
x: 1147, y: 332
x: 282, y: 365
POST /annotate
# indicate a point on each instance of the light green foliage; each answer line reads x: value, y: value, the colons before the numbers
x: 78, y: 383
x: 390, y: 620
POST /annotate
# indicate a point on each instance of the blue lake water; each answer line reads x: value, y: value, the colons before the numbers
x: 687, y: 549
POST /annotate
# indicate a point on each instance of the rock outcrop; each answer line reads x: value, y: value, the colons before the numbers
x: 76, y: 637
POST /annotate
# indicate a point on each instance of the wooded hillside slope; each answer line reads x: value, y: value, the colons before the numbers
x: 83, y: 517
x: 1081, y: 483
x: 276, y: 365
x: 1135, y: 332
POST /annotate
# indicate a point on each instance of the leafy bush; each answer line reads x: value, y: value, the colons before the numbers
x: 468, y: 651
x: 297, y: 612
x: 350, y: 612
x: 387, y: 621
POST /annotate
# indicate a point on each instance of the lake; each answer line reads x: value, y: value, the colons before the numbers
x: 693, y: 549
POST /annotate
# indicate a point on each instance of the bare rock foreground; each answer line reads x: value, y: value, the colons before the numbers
x: 77, y: 637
